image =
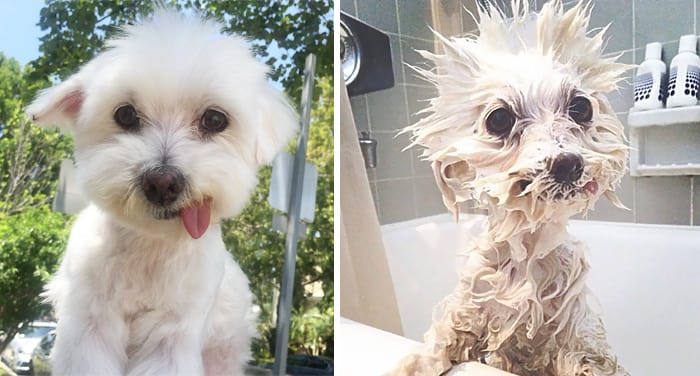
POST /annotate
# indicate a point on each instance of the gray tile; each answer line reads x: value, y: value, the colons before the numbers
x: 415, y: 18
x: 392, y: 161
x: 348, y: 6
x: 418, y: 98
x: 697, y: 15
x: 623, y: 99
x: 387, y: 109
x: 358, y: 104
x: 421, y: 168
x: 606, y: 211
x: 663, y: 200
x: 696, y: 200
x: 428, y: 198
x: 396, y: 59
x: 409, y: 46
x: 469, y: 21
x: 617, y: 13
x: 505, y: 6
x: 395, y: 201
x: 669, y: 50
x: 659, y: 21
x: 381, y: 14
x: 470, y: 6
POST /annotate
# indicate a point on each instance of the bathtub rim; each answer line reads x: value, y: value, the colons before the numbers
x: 449, y: 218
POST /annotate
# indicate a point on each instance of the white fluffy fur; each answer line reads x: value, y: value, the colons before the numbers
x: 521, y: 304
x: 136, y: 295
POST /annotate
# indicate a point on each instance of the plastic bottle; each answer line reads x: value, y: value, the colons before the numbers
x: 651, y: 81
x: 684, y: 79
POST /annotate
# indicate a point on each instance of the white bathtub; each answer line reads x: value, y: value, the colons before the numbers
x: 646, y: 279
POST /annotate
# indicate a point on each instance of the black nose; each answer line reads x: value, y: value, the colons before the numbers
x: 567, y: 168
x: 162, y: 185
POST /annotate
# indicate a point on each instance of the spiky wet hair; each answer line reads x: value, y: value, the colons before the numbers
x: 561, y: 36
x: 472, y: 68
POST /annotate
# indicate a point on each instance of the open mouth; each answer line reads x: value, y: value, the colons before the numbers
x: 195, y: 216
x: 165, y: 214
x: 557, y: 191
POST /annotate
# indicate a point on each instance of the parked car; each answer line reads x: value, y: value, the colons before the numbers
x: 39, y: 364
x: 18, y: 353
x: 307, y: 365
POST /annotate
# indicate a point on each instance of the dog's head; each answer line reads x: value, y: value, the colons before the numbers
x: 171, y: 123
x: 521, y: 122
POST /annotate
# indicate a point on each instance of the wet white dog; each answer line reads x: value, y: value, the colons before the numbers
x: 522, y: 126
x: 171, y: 123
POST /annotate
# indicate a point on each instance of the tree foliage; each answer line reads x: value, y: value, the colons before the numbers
x: 29, y: 157
x: 260, y: 250
x: 31, y: 236
x: 31, y: 243
x: 297, y: 27
x: 76, y: 31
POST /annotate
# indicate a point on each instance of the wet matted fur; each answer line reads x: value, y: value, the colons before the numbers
x: 512, y: 103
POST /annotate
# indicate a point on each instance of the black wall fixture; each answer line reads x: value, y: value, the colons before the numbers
x: 365, y: 55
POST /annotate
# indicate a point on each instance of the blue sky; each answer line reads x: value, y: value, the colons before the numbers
x: 19, y: 34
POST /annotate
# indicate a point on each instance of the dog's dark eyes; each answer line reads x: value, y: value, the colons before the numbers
x: 127, y: 117
x: 213, y: 121
x: 580, y: 110
x: 499, y: 122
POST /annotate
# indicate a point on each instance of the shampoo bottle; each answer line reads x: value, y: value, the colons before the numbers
x: 684, y: 80
x: 651, y: 81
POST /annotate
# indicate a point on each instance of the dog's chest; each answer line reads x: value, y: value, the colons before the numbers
x: 146, y: 278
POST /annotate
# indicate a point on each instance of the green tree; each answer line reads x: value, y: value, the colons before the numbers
x: 76, y: 31
x: 31, y: 236
x: 296, y: 27
x: 31, y: 243
x: 260, y: 250
x: 30, y: 158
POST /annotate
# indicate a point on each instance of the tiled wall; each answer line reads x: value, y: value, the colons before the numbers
x: 403, y: 186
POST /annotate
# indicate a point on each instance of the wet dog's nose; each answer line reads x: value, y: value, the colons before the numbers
x: 567, y: 168
x: 162, y: 185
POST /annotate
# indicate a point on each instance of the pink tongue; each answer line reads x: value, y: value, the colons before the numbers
x: 591, y: 186
x: 196, y: 219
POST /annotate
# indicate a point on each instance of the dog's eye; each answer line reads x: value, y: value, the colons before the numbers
x: 500, y: 122
x: 127, y: 117
x: 213, y: 121
x: 580, y: 110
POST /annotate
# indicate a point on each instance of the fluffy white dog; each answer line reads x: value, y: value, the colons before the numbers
x: 171, y: 123
x: 522, y: 126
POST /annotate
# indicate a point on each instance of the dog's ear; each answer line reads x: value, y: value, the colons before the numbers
x: 278, y: 124
x: 452, y: 178
x: 58, y: 105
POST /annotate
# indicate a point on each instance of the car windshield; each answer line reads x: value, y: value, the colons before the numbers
x: 34, y: 331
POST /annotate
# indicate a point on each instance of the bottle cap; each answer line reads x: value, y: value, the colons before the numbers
x: 687, y: 43
x: 653, y: 51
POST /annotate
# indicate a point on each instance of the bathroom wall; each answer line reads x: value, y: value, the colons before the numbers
x: 403, y: 186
